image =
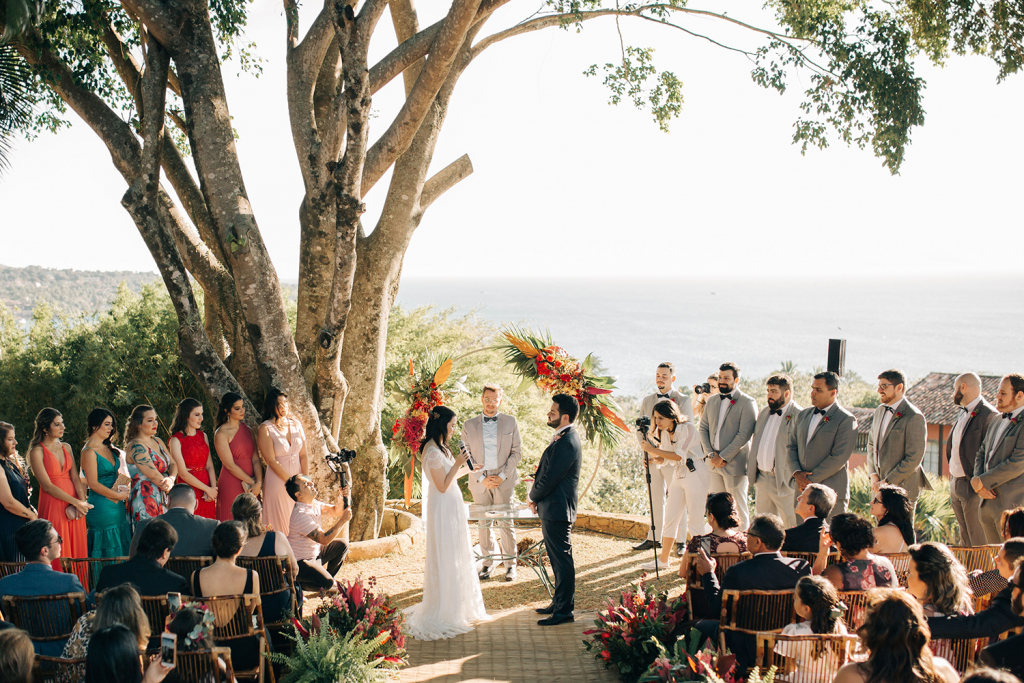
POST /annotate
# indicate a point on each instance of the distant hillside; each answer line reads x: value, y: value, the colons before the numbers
x: 74, y: 291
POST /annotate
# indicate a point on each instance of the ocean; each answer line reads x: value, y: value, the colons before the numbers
x: 916, y: 325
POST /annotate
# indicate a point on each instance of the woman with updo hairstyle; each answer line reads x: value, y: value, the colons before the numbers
x: 726, y: 537
x: 282, y: 444
x: 859, y: 570
x: 150, y: 465
x: 895, y: 514
x: 110, y: 532
x: 895, y: 634
x: 15, y: 509
x: 938, y: 581
x: 17, y: 656
x: 235, y: 444
x: 263, y: 543
x: 183, y: 624
x: 816, y: 602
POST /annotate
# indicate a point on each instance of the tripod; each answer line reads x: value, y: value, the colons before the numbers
x: 643, y: 426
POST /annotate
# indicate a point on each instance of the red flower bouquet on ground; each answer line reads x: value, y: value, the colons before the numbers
x: 357, y: 609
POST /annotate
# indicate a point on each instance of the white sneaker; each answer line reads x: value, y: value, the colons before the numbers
x: 649, y: 566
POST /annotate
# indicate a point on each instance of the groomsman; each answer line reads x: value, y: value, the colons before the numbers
x: 493, y: 441
x: 768, y: 464
x: 822, y: 441
x: 664, y: 379
x: 897, y: 439
x: 1000, y: 461
x: 961, y: 450
x: 725, y: 430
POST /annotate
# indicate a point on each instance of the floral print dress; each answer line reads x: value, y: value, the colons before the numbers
x: 147, y: 500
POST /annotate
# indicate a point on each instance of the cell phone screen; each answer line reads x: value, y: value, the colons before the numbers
x: 168, y: 649
x: 174, y: 601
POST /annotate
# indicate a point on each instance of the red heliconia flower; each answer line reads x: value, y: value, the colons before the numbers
x: 550, y: 358
x: 565, y: 378
x: 316, y: 622
x: 433, y: 385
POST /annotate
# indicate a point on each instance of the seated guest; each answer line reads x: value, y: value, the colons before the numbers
x: 194, y: 532
x: 262, y: 543
x: 145, y: 569
x: 1012, y: 523
x: 896, y: 636
x: 816, y: 602
x: 938, y: 581
x: 984, y: 674
x: 16, y: 656
x: 895, y: 514
x: 725, y: 537
x: 314, y: 548
x: 118, y: 605
x: 114, y: 658
x: 814, y: 505
x: 859, y: 570
x: 994, y: 580
x: 999, y: 617
x: 1009, y: 654
x: 194, y: 627
x: 40, y: 544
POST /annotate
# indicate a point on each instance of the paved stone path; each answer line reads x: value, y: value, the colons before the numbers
x: 511, y: 648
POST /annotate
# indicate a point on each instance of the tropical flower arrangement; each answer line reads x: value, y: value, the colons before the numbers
x: 358, y: 610
x: 687, y: 661
x: 539, y: 361
x: 628, y: 632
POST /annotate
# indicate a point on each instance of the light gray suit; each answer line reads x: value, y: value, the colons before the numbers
x: 896, y: 456
x: 826, y: 455
x: 774, y: 492
x: 509, y: 454
x: 734, y: 439
x: 660, y: 480
x: 1001, y: 473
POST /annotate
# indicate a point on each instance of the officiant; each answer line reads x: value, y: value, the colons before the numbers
x: 494, y: 446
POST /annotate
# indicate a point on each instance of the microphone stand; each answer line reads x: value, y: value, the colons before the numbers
x: 650, y: 502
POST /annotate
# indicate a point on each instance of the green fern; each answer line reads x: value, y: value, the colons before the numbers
x: 328, y: 657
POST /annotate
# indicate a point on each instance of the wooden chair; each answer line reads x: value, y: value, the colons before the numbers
x: 837, y: 651
x: 45, y: 618
x: 57, y: 670
x: 901, y: 562
x: 88, y: 569
x: 695, y: 591
x: 276, y: 578
x: 753, y: 612
x: 157, y: 610
x: 202, y: 666
x: 833, y: 557
x: 960, y: 652
x: 239, y: 618
x: 856, y: 608
x: 8, y: 568
x: 976, y: 558
x: 184, y: 566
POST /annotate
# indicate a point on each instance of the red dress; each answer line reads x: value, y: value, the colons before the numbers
x: 72, y: 532
x: 195, y: 452
x: 229, y: 486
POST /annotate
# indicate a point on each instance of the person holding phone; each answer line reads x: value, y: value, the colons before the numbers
x: 114, y: 656
x: 726, y: 536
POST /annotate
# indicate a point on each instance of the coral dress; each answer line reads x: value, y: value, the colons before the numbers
x: 277, y: 505
x: 196, y: 452
x: 229, y: 486
x: 71, y: 531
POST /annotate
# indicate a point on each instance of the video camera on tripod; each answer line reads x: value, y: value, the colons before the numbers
x: 338, y: 462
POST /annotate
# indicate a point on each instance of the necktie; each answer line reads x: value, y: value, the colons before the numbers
x: 663, y: 396
x: 776, y: 412
x: 888, y: 409
x: 819, y: 411
x: 490, y: 419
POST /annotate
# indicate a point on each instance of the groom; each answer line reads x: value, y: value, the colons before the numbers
x: 553, y: 499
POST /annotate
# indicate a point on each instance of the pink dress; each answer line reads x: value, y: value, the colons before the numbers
x: 277, y: 504
x: 229, y: 486
x: 72, y: 532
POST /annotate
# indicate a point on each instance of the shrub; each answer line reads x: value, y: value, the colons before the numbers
x: 326, y: 656
x: 359, y: 611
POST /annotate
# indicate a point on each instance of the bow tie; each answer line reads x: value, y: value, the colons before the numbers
x: 1007, y: 416
x: 776, y: 412
x: 726, y: 397
x: 663, y: 396
x: 888, y: 409
x: 963, y: 409
x: 819, y: 411
x: 490, y: 419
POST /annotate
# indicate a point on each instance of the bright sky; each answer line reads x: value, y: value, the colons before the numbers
x: 565, y: 185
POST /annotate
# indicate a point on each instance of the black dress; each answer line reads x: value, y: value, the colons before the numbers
x: 245, y: 652
x: 10, y: 522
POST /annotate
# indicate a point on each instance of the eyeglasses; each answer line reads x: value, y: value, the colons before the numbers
x: 1011, y: 584
x: 59, y: 541
x: 492, y: 401
x: 882, y: 385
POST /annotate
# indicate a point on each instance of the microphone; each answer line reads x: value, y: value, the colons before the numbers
x: 469, y: 456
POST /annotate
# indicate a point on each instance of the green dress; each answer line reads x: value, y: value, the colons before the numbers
x: 110, y: 533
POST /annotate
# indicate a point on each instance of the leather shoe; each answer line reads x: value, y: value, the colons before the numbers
x: 680, y: 549
x: 555, y: 619
x: 485, y: 573
x: 647, y: 545
x: 550, y: 609
x: 510, y: 574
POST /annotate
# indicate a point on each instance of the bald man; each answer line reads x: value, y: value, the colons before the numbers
x: 961, y: 449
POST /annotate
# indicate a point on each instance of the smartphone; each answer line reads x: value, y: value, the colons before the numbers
x: 705, y: 543
x: 168, y: 649
x: 174, y: 601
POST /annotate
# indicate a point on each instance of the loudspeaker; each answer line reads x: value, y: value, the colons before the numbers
x: 837, y: 356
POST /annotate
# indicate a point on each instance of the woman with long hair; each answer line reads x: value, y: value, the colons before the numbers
x: 17, y: 656
x: 1012, y: 523
x: 62, y: 497
x: 816, y: 601
x: 15, y: 509
x: 895, y: 634
x: 282, y: 444
x: 860, y: 570
x: 190, y: 449
x: 150, y: 465
x: 117, y: 605
x: 235, y: 445
x: 895, y: 514
x: 938, y: 581
x: 668, y: 446
x: 110, y: 532
x: 723, y: 517
x: 452, y: 601
x: 263, y: 543
x: 114, y: 657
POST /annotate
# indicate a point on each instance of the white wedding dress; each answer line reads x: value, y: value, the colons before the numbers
x: 452, y: 601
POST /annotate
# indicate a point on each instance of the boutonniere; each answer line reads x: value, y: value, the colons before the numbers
x: 974, y: 413
x: 788, y: 418
x: 1015, y: 420
x: 824, y: 418
x: 897, y: 416
x: 732, y: 401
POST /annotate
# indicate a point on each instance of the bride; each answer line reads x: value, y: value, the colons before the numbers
x: 452, y: 601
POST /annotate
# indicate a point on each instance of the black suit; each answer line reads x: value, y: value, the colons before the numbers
x: 554, y: 492
x: 148, y: 577
x: 194, y: 533
x: 988, y: 623
x: 1006, y: 654
x: 805, y: 537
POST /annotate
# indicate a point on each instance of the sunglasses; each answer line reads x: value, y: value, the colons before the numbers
x: 1017, y: 585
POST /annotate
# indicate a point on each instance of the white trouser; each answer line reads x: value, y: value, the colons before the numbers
x: 737, y: 486
x: 660, y: 480
x: 770, y: 498
x: 687, y: 497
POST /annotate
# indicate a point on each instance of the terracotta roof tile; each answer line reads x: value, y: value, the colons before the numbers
x: 934, y: 395
x: 864, y: 417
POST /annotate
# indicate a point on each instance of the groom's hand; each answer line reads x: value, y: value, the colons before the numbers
x: 533, y: 507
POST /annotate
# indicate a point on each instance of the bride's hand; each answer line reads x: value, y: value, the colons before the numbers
x: 461, y: 457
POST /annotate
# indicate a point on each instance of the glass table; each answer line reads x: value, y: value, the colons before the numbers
x: 505, y: 517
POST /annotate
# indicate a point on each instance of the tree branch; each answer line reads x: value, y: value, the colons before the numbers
x: 407, y: 25
x: 444, y: 180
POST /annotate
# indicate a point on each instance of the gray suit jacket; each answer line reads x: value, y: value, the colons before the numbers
x: 1002, y: 473
x: 737, y: 429
x: 828, y: 452
x: 970, y: 440
x: 509, y: 451
x: 680, y: 399
x: 783, y: 474
x: 896, y: 456
x: 194, y: 533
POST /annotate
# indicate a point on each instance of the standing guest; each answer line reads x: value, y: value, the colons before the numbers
x: 195, y: 533
x: 150, y: 465
x: 664, y: 380
x: 894, y: 511
x: 961, y: 450
x: 1000, y: 461
x: 822, y: 441
x: 62, y: 496
x: 860, y: 570
x: 726, y: 536
x: 146, y: 568
x: 938, y: 581
x: 816, y: 601
x: 725, y: 430
x: 319, y: 553
x: 813, y: 506
x: 191, y: 452
x: 17, y: 656
x: 15, y: 509
x: 282, y: 444
x: 110, y: 532
x: 897, y: 439
x: 493, y: 442
x: 235, y: 445
x: 262, y: 543
x: 118, y: 605
x: 1009, y: 653
x: 768, y: 464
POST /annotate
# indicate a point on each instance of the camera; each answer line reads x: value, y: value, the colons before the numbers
x: 689, y: 465
x: 643, y: 424
x: 338, y: 462
x: 702, y: 388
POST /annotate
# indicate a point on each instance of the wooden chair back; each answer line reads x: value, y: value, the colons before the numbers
x: 239, y: 617
x: 8, y: 568
x: 960, y: 652
x: 275, y: 578
x: 184, y: 566
x: 157, y: 610
x: 981, y: 557
x: 856, y: 608
x: 833, y: 557
x: 820, y: 655
x: 46, y: 617
x: 201, y: 666
x: 694, y: 589
x: 57, y: 670
x: 754, y: 612
x: 901, y: 563
x: 88, y: 569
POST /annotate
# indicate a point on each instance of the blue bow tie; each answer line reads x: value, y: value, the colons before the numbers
x: 490, y: 419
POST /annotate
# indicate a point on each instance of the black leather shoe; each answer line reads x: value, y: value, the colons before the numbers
x: 555, y: 619
x: 647, y: 545
x: 550, y: 609
x: 485, y: 573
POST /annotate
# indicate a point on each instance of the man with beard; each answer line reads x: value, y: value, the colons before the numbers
x: 1009, y: 654
x: 768, y: 464
x: 999, y: 465
x: 961, y: 450
x: 664, y: 377
x: 896, y: 440
x: 1000, y: 616
x: 725, y: 430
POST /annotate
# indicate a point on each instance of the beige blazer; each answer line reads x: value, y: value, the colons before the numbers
x: 509, y: 450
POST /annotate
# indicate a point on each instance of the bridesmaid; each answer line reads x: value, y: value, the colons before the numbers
x: 191, y: 452
x: 239, y: 471
x: 15, y: 509
x: 149, y: 465
x: 62, y: 498
x: 282, y: 445
x: 110, y: 532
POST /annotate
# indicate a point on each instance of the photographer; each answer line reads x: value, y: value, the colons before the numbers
x: 314, y: 547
